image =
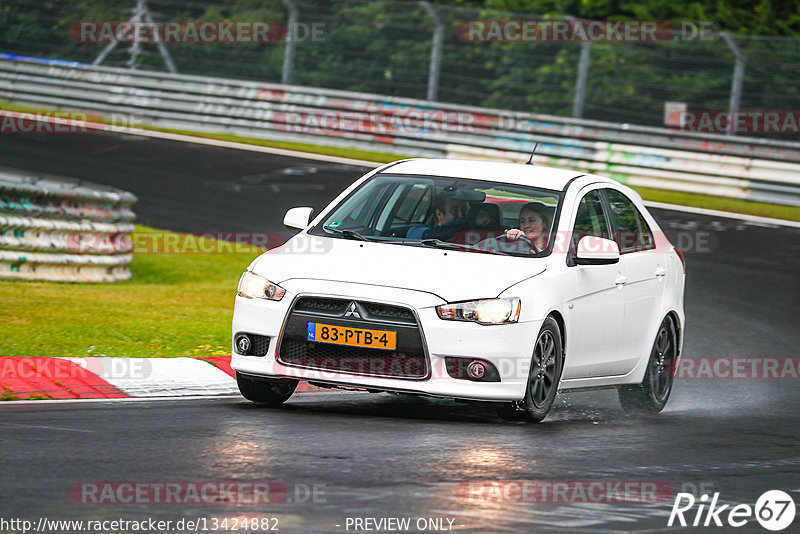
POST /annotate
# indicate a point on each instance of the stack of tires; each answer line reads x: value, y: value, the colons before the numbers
x: 62, y: 229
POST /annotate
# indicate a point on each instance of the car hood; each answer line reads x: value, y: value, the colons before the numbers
x: 451, y: 275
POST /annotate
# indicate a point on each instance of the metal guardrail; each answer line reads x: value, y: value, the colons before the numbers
x: 747, y: 168
x: 61, y: 229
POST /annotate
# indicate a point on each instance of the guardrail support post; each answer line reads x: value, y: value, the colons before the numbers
x: 736, y: 84
x: 580, y: 81
x: 288, y: 52
x: 436, y: 51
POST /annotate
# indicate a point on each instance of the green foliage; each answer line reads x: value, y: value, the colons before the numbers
x: 384, y: 47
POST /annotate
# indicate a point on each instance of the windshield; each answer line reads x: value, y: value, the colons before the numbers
x: 451, y: 213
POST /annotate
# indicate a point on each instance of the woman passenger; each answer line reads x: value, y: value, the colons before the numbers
x: 534, y: 223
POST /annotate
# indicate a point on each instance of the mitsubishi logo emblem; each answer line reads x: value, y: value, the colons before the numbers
x: 352, y: 311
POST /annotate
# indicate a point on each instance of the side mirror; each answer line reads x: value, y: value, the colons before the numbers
x: 298, y: 218
x: 594, y: 250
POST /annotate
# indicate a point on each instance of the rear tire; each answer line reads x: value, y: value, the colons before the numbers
x: 268, y: 391
x: 543, y: 378
x: 651, y: 396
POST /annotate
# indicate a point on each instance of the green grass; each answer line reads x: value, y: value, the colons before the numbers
x: 736, y: 205
x: 10, y: 106
x: 175, y: 305
x: 352, y: 153
x: 762, y: 209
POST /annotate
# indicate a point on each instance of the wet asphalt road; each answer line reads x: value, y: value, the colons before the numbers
x: 377, y: 455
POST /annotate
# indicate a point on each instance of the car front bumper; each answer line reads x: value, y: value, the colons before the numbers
x: 507, y: 347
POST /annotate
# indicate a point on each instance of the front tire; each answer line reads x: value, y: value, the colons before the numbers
x: 268, y: 391
x: 652, y: 394
x: 543, y: 378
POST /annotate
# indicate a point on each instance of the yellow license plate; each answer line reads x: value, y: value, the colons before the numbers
x: 355, y: 337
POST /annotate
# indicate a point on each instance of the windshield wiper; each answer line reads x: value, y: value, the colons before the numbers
x: 438, y: 243
x: 352, y: 234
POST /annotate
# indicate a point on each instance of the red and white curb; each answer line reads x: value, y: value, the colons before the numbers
x: 110, y: 378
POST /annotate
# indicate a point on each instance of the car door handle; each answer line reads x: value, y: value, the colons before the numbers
x: 661, y: 271
x: 621, y: 280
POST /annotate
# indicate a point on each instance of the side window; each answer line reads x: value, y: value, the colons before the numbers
x: 590, y: 219
x: 648, y: 240
x: 631, y: 230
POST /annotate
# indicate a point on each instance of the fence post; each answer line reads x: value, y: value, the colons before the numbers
x: 580, y: 81
x: 288, y: 52
x: 436, y: 51
x: 736, y: 84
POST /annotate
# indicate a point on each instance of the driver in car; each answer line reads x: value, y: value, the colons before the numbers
x: 450, y: 216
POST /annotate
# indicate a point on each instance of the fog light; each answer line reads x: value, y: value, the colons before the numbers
x: 243, y: 344
x: 476, y: 370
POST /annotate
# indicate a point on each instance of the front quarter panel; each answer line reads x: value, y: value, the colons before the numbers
x: 543, y: 295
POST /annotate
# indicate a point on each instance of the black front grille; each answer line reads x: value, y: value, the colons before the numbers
x: 322, y: 305
x: 407, y: 360
x: 352, y: 360
x: 336, y: 307
x: 388, y: 312
x: 260, y: 345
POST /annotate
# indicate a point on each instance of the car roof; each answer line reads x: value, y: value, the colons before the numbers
x: 496, y: 171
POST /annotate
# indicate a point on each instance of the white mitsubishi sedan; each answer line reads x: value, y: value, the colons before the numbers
x: 487, y: 281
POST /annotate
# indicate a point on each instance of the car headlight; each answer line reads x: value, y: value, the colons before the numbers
x: 253, y: 286
x: 487, y: 311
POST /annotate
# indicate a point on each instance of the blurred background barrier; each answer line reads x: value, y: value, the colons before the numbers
x: 60, y: 229
x: 425, y: 50
x: 759, y: 169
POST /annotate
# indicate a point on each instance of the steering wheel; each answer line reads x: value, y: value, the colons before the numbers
x: 523, y: 239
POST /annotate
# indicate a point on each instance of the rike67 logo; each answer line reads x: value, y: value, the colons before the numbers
x: 774, y: 510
